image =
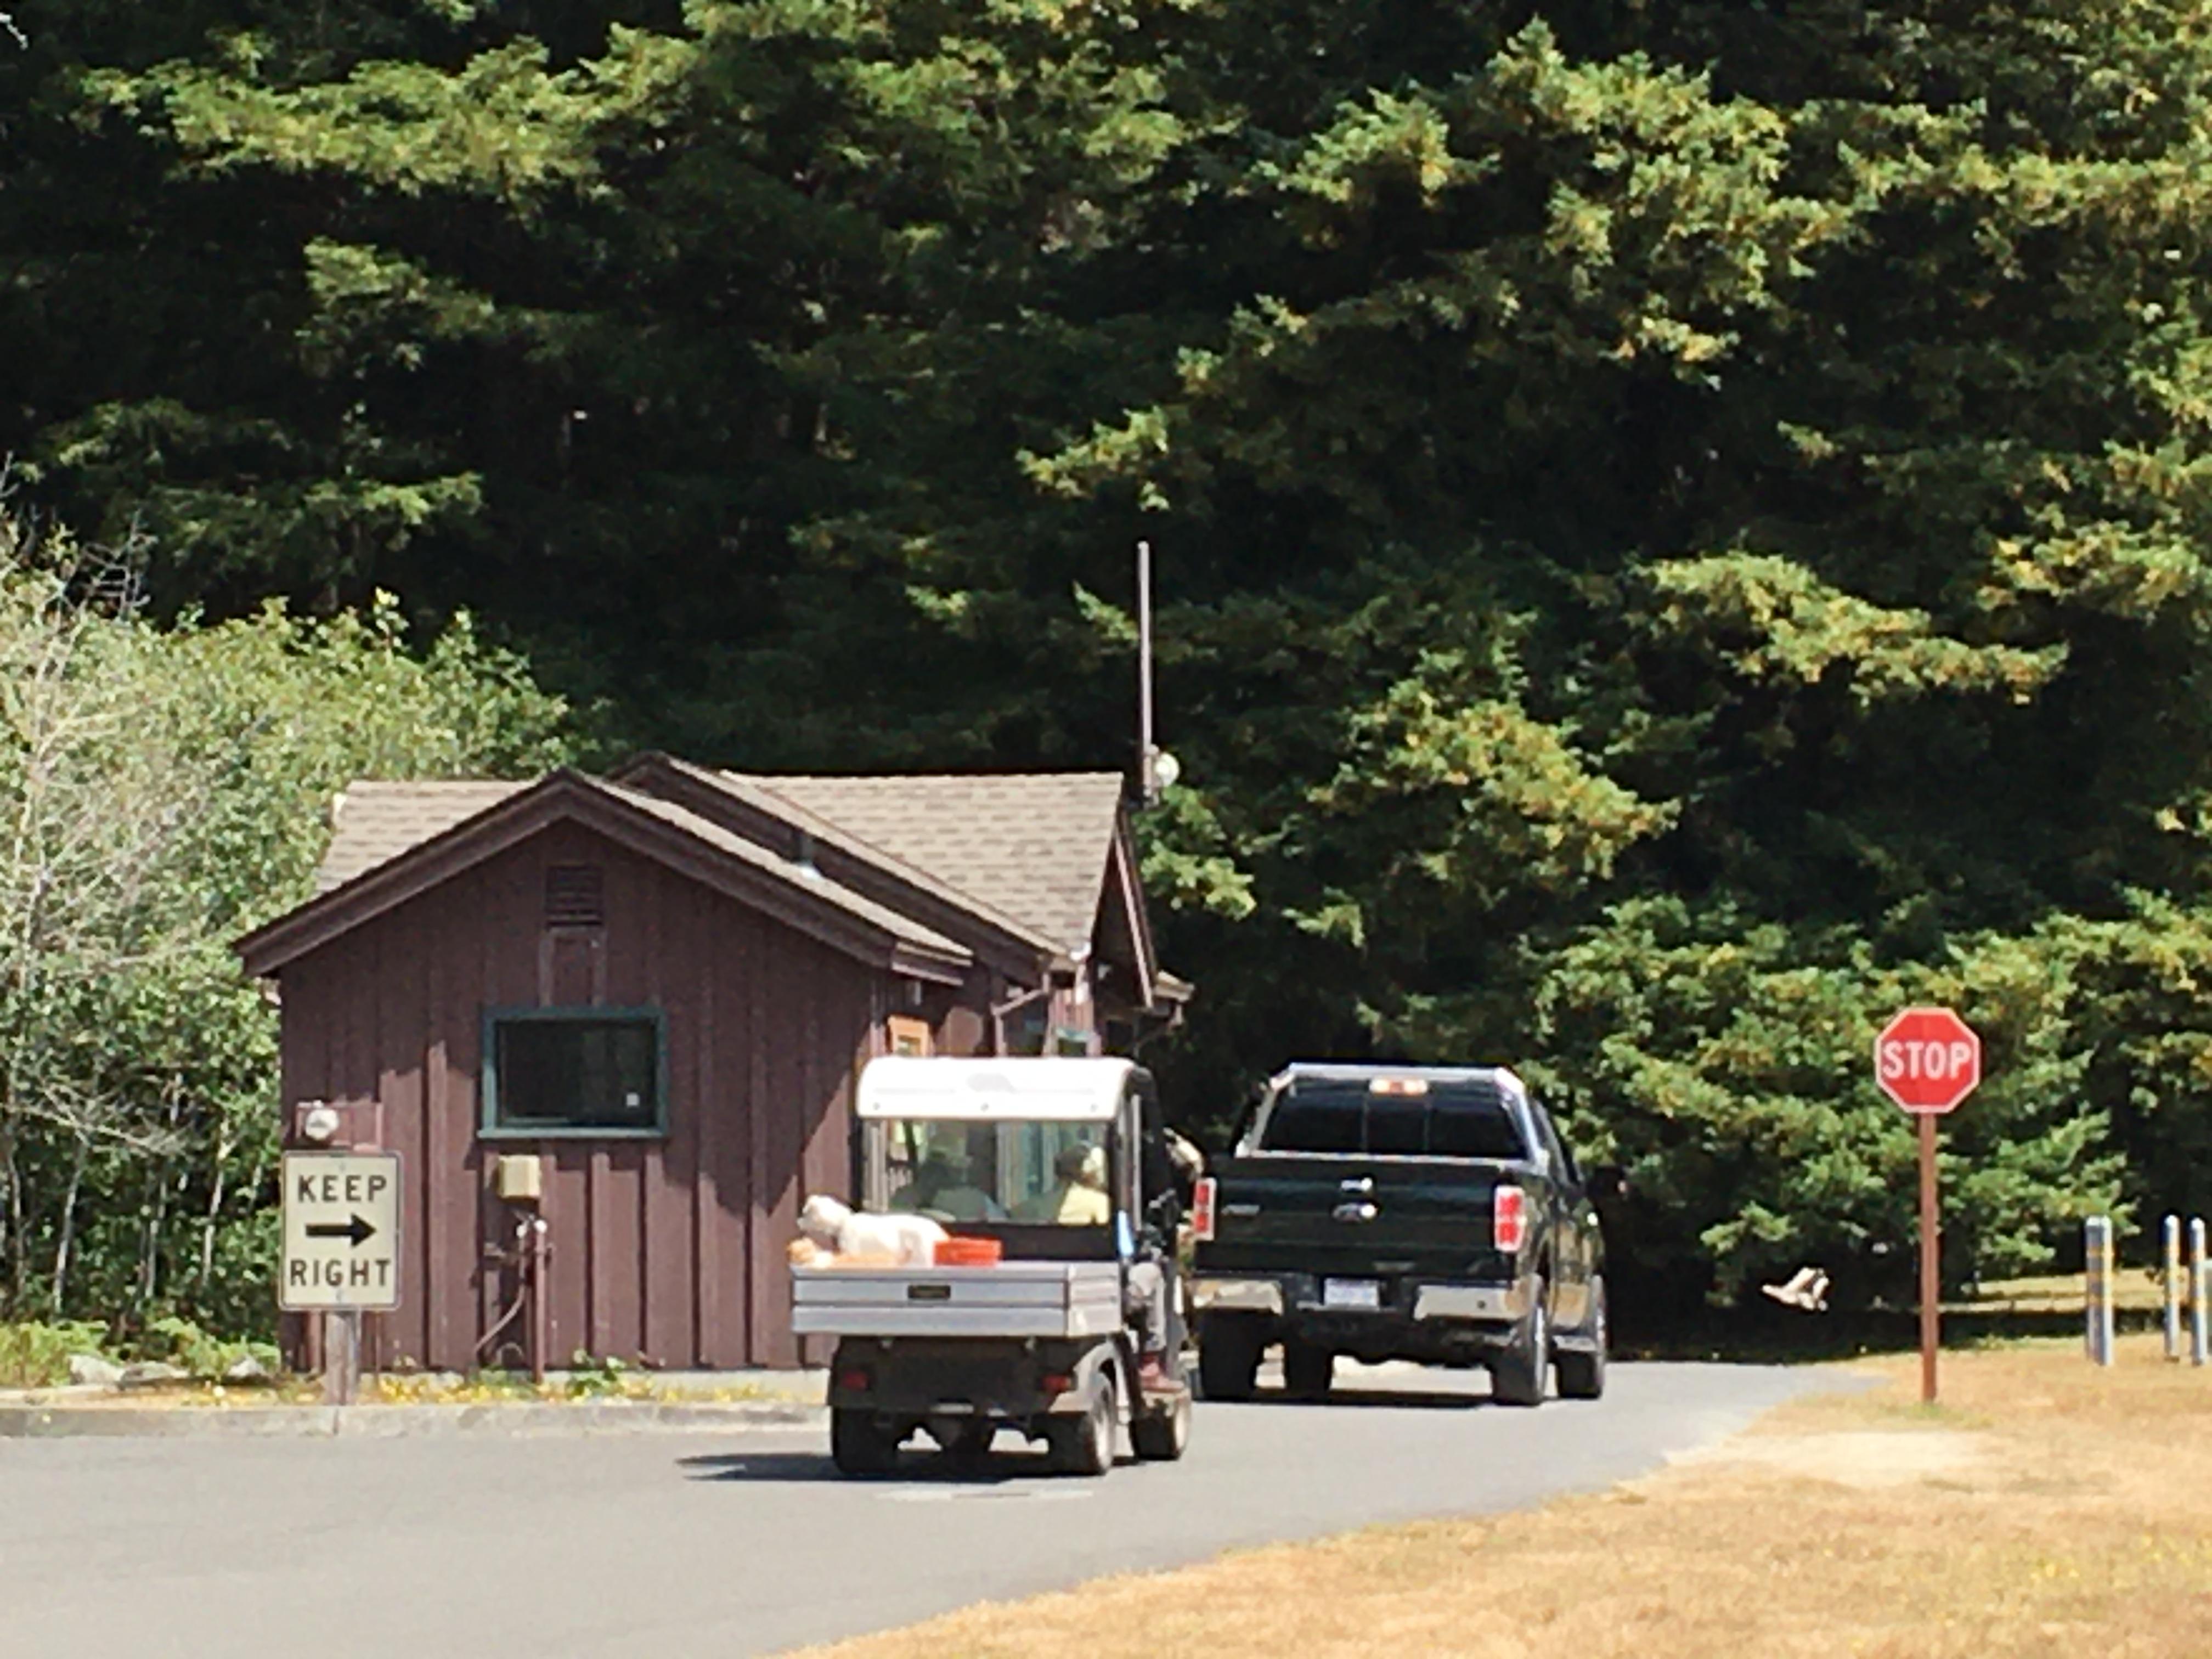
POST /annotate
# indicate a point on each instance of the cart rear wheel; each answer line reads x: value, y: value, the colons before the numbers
x: 859, y: 1445
x: 1085, y: 1444
x: 1162, y: 1437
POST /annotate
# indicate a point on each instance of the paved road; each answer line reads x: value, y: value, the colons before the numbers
x: 682, y: 1544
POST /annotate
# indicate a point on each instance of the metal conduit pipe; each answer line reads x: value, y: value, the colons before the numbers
x: 999, y: 1010
x: 530, y: 1256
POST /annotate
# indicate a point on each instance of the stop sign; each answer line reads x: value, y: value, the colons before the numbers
x: 1927, y: 1060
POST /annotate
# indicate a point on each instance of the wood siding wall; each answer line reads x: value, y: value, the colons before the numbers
x: 669, y: 1250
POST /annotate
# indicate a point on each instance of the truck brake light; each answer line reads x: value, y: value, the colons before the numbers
x: 1202, y: 1211
x: 1509, y: 1218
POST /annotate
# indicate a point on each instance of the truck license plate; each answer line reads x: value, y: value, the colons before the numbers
x: 1351, y: 1293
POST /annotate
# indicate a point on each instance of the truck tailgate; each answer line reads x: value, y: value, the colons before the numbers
x: 1282, y: 1212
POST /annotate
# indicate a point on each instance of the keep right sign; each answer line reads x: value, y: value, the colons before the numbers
x: 1928, y: 1059
x: 341, y: 1229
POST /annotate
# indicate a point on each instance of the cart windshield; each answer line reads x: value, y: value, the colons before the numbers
x: 1045, y: 1173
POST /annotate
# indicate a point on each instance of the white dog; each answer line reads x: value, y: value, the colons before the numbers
x: 837, y: 1227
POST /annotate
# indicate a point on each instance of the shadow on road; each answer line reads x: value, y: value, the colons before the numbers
x: 1408, y: 1400
x: 917, y: 1462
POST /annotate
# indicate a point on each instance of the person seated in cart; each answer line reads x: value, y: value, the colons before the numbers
x: 942, y: 1186
x: 1077, y: 1195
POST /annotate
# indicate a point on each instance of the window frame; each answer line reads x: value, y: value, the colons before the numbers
x: 488, y: 1127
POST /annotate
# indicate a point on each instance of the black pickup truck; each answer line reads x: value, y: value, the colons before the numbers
x: 1429, y: 1213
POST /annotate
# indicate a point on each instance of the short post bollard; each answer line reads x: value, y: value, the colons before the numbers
x: 2097, y: 1236
x: 2200, y: 1294
x: 2169, y: 1279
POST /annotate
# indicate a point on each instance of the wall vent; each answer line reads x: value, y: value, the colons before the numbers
x: 575, y: 895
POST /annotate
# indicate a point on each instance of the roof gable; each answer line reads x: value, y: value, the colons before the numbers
x: 480, y: 821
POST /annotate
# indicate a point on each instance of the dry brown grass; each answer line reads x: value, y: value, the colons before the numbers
x: 2045, y: 1508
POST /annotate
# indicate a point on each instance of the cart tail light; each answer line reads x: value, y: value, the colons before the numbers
x: 1202, y: 1211
x: 1055, y: 1383
x: 1509, y: 1218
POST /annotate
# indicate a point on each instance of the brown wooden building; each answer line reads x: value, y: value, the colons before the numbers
x: 661, y: 985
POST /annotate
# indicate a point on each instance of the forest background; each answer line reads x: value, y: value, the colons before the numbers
x: 1681, y: 526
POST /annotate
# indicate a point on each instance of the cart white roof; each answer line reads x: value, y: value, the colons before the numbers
x: 1049, y: 1088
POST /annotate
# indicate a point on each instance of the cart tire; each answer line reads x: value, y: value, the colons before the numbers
x: 1523, y: 1375
x: 1307, y: 1371
x: 1228, y: 1359
x: 861, y: 1445
x: 1163, y: 1437
x: 1581, y: 1374
x: 1084, y: 1445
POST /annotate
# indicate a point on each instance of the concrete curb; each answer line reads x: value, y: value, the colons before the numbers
x: 59, y: 1422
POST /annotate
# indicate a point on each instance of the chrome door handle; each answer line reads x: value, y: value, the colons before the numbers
x: 1355, y: 1213
x: 1357, y: 1184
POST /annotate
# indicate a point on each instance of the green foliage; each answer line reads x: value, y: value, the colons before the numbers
x: 36, y: 1356
x: 1679, y: 525
x: 207, y: 1358
x: 164, y: 790
x: 600, y: 1378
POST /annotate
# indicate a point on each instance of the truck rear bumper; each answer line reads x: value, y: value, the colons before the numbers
x: 1412, y: 1320
x: 1239, y: 1294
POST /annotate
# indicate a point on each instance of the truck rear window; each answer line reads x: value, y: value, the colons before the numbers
x: 1468, y: 1119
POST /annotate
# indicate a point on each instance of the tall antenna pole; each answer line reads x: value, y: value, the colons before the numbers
x: 1147, y: 774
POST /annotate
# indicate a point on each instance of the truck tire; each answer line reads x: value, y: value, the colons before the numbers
x: 1581, y: 1372
x: 1162, y: 1437
x: 1228, y: 1359
x: 859, y: 1444
x: 1084, y: 1445
x: 1522, y: 1375
x: 1308, y: 1371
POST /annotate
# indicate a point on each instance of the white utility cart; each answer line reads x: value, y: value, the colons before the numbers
x: 1075, y: 1335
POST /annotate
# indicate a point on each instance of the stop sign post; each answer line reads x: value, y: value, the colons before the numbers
x: 1928, y: 1059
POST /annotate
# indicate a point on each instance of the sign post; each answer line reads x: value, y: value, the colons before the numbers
x: 2169, y: 1277
x: 2200, y: 1288
x: 341, y: 1255
x: 2097, y: 1286
x: 1928, y: 1059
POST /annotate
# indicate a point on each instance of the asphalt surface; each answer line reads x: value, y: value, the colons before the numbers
x: 729, y: 1545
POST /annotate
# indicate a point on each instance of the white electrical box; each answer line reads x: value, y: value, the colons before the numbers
x: 520, y: 1177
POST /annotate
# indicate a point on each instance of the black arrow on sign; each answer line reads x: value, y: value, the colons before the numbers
x: 357, y: 1230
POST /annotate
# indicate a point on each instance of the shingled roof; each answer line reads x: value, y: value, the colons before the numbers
x: 1029, y: 850
x: 392, y: 840
x: 1030, y: 846
x: 373, y: 822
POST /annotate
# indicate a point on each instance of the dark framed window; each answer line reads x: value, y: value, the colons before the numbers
x: 1451, y: 1118
x: 590, y: 1071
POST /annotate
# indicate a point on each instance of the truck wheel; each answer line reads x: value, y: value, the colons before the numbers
x: 1308, y: 1371
x: 1521, y: 1376
x: 1228, y: 1359
x: 1163, y: 1437
x: 1582, y: 1375
x: 859, y: 1444
x: 1085, y: 1444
